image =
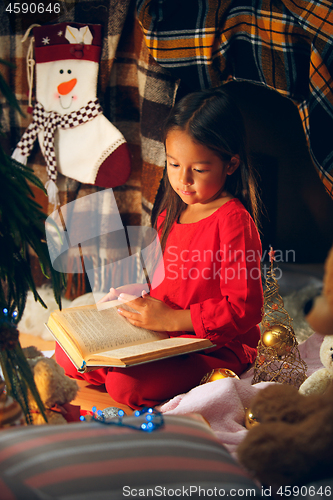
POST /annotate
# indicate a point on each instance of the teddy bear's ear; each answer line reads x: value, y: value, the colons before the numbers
x: 31, y: 352
x: 54, y: 386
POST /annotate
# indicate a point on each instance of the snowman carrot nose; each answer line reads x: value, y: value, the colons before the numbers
x: 65, y: 87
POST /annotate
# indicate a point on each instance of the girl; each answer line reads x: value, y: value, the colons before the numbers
x: 211, y: 257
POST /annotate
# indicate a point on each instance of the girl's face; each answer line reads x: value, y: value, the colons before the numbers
x: 195, y: 172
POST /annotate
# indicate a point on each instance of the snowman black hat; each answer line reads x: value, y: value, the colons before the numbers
x: 68, y: 41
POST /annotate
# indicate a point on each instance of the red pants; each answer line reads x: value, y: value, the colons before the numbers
x: 153, y: 383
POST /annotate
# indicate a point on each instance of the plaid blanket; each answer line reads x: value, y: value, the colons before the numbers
x: 149, y: 47
x: 286, y: 45
x: 136, y: 95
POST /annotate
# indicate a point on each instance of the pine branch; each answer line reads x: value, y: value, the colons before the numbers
x: 22, y: 225
x: 6, y: 91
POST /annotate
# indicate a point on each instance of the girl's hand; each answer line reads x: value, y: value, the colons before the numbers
x: 134, y: 289
x: 155, y: 314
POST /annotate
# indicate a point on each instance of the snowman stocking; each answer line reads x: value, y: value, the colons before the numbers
x: 75, y: 137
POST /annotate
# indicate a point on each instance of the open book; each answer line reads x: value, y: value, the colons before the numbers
x: 93, y: 338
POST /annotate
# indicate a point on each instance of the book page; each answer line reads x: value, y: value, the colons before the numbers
x: 101, y: 330
x: 173, y: 345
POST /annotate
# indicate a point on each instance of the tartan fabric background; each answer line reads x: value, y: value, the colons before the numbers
x: 136, y: 95
x: 286, y: 45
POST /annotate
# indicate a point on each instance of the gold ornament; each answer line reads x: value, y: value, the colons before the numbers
x: 250, y: 419
x: 217, y: 374
x: 278, y: 357
x: 279, y: 337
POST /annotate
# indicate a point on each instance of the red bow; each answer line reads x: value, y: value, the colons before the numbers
x: 71, y: 413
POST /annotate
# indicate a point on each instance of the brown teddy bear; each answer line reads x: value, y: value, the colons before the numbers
x: 293, y: 441
x: 55, y: 389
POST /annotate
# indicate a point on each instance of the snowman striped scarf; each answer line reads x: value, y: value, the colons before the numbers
x: 49, y: 121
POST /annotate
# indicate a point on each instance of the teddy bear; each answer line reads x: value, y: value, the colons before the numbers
x: 55, y: 389
x: 320, y: 318
x: 320, y: 380
x: 291, y: 442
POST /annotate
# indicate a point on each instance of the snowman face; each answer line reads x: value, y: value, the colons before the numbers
x: 66, y: 86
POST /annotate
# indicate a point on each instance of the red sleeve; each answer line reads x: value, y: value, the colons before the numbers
x: 238, y: 309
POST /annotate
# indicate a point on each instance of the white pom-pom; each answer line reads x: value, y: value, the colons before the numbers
x: 52, y: 192
x: 18, y: 156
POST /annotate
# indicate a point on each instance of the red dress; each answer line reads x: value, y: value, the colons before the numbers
x: 211, y: 267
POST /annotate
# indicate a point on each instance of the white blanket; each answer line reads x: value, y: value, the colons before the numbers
x: 222, y: 403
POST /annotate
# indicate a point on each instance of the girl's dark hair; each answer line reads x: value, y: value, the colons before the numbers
x: 212, y: 119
